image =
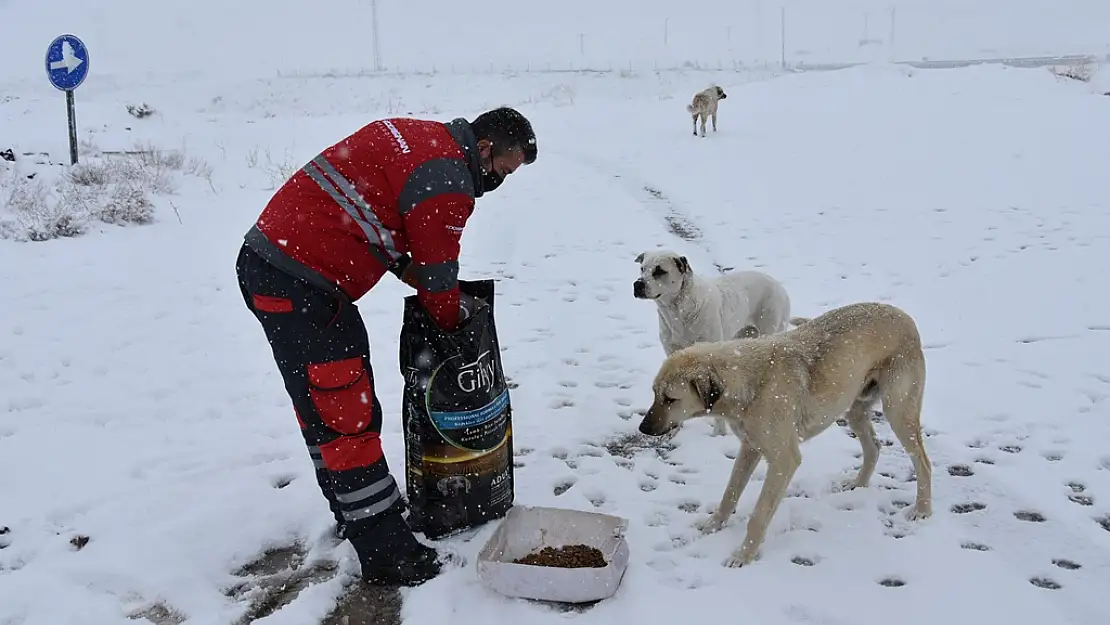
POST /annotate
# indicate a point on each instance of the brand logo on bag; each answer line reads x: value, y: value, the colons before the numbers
x: 477, y: 375
x: 412, y: 376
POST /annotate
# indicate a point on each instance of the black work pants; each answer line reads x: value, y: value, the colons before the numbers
x: 322, y: 350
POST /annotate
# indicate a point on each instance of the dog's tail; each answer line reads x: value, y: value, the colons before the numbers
x: 797, y: 321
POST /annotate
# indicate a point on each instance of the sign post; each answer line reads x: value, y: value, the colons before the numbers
x: 67, y: 65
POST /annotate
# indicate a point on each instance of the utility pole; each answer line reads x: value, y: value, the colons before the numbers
x: 582, y: 44
x: 782, y: 37
x: 666, y: 28
x: 892, y: 22
x: 759, y: 43
x: 374, y: 30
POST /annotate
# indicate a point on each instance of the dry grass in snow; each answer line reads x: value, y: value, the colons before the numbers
x: 115, y: 188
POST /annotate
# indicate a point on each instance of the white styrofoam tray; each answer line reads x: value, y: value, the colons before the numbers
x: 527, y: 529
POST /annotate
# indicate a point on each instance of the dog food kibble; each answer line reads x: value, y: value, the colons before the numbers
x: 568, y: 557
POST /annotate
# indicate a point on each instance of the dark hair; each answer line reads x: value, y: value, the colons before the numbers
x: 507, y: 129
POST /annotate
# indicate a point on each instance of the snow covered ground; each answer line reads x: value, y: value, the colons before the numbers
x: 148, y: 454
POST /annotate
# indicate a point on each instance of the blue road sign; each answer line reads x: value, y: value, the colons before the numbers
x: 67, y: 62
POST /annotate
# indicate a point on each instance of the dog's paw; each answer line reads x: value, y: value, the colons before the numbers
x: 918, y: 512
x: 733, y: 562
x: 739, y: 558
x: 842, y: 486
x: 710, y: 525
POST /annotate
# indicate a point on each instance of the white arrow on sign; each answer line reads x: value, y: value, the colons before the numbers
x: 69, y: 61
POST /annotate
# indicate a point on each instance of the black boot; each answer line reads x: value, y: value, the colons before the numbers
x: 391, y: 556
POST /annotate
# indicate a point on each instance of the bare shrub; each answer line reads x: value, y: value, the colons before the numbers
x: 94, y: 174
x: 1083, y: 73
x: 559, y: 95
x: 278, y: 171
x: 114, y: 188
x: 79, y: 199
x: 35, y: 214
x: 56, y: 225
x: 145, y: 170
x: 198, y: 167
x: 139, y: 111
x: 86, y: 147
x: 150, y: 156
x: 27, y: 195
x: 128, y: 203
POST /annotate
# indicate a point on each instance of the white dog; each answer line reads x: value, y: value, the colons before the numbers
x: 704, y: 105
x: 777, y: 391
x: 692, y: 309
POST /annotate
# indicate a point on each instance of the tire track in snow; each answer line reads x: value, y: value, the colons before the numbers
x: 677, y: 221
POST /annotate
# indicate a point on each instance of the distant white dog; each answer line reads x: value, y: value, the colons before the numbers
x: 692, y: 309
x: 705, y: 106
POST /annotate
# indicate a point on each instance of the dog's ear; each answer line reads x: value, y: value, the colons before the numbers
x: 640, y: 258
x: 707, y: 384
x: 682, y: 264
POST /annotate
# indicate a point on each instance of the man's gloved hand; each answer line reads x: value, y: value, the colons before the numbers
x: 400, y: 265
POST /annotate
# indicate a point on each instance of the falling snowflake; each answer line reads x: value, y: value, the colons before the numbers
x: 424, y: 359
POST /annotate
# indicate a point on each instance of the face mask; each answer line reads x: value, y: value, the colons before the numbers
x: 490, y: 181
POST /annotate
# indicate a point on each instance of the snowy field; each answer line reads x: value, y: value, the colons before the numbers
x: 149, y: 457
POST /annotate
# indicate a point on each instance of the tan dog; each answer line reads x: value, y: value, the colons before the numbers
x: 705, y: 106
x: 778, y: 390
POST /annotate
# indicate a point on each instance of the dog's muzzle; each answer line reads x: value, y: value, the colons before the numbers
x: 639, y: 289
x: 647, y: 427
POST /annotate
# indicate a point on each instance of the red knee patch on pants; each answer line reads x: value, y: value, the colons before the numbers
x: 271, y: 304
x: 352, y: 452
x: 342, y: 394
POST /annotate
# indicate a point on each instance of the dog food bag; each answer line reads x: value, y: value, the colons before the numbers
x: 457, y: 418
